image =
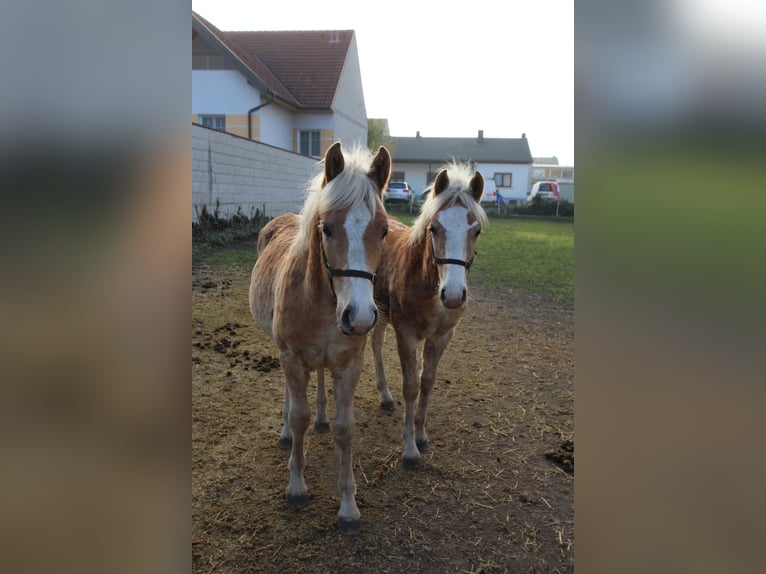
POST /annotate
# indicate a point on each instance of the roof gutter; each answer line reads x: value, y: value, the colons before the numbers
x: 250, y: 116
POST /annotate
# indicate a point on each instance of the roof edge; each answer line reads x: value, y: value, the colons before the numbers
x: 212, y: 35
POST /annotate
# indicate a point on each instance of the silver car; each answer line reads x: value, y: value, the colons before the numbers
x: 399, y: 191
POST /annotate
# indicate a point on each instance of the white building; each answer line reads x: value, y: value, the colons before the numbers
x: 300, y: 91
x: 506, y: 161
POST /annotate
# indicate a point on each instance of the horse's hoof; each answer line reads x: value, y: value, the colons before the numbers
x: 321, y: 427
x: 285, y: 443
x: 297, y: 500
x: 349, y: 527
x: 422, y: 445
x: 411, y: 463
x: 387, y: 405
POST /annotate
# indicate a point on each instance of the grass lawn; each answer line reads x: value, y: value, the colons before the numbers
x: 514, y: 256
x: 527, y: 255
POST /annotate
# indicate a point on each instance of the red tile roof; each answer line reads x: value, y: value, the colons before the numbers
x: 303, y: 68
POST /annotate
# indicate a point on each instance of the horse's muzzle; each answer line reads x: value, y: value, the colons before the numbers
x: 454, y: 300
x: 355, y: 323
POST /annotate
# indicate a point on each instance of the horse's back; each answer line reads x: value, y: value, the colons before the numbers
x: 284, y: 227
x: 274, y: 242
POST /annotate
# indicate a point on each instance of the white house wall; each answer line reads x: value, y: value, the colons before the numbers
x: 519, y: 179
x: 415, y: 174
x: 313, y: 121
x: 276, y: 126
x: 222, y: 92
x: 348, y: 107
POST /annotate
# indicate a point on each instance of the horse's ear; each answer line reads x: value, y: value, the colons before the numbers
x: 380, y: 170
x: 477, y: 186
x: 333, y: 162
x: 441, y: 182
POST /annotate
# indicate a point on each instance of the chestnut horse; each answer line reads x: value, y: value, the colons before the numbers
x: 311, y: 291
x: 421, y: 291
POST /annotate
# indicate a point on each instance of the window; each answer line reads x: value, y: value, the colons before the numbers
x: 215, y: 122
x: 308, y: 142
x: 503, y: 179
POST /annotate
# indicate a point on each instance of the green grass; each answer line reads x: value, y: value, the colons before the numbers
x: 528, y: 256
x: 524, y: 255
x: 241, y: 255
x: 534, y: 256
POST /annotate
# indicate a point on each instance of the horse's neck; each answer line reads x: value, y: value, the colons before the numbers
x: 421, y: 264
x: 316, y: 281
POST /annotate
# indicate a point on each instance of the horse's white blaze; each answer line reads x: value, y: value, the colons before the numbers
x: 357, y: 291
x: 455, y: 222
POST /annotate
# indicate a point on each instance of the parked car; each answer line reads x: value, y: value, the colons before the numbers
x: 490, y: 192
x: 398, y: 191
x: 420, y: 198
x: 544, y: 190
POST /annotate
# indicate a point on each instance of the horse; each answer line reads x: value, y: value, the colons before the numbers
x: 311, y: 292
x: 422, y: 290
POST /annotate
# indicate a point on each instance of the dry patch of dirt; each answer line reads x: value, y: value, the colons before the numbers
x: 495, y: 492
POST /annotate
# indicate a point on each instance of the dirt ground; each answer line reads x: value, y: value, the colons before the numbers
x: 495, y: 492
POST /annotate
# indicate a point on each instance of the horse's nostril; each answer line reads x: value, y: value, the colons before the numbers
x: 464, y: 296
x: 345, y: 319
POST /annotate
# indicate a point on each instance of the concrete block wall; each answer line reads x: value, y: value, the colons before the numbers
x: 245, y: 174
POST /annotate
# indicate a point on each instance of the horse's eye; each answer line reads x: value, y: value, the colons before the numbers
x: 432, y: 228
x: 385, y: 231
x: 327, y: 230
x: 478, y: 232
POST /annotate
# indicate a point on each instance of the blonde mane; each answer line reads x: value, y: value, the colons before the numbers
x: 349, y: 189
x: 458, y: 192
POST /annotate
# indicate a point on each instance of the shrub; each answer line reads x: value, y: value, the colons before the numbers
x: 211, y: 229
x: 546, y: 207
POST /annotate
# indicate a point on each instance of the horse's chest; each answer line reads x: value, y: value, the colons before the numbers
x: 429, y: 320
x: 319, y: 346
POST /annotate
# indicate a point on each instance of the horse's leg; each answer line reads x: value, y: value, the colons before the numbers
x: 344, y: 384
x: 285, y: 437
x: 297, y: 378
x: 378, y: 336
x: 432, y: 353
x: 322, y: 423
x: 407, y: 346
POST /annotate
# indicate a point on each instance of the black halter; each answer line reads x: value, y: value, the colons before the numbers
x: 345, y: 272
x: 466, y: 264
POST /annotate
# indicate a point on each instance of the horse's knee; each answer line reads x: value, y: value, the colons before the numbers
x: 299, y: 419
x: 344, y: 434
x: 410, y: 392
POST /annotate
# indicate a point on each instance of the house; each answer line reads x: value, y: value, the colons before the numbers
x: 300, y: 91
x: 506, y: 161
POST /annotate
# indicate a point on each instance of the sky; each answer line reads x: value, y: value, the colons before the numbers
x: 506, y: 68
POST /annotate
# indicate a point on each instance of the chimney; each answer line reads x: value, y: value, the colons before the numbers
x: 481, y: 135
x: 523, y: 136
x: 417, y: 134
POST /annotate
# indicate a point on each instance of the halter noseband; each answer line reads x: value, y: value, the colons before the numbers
x: 345, y: 272
x: 466, y: 264
x: 439, y: 261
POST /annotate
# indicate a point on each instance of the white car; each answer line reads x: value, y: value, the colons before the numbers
x: 398, y: 191
x: 490, y: 192
x: 544, y: 190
